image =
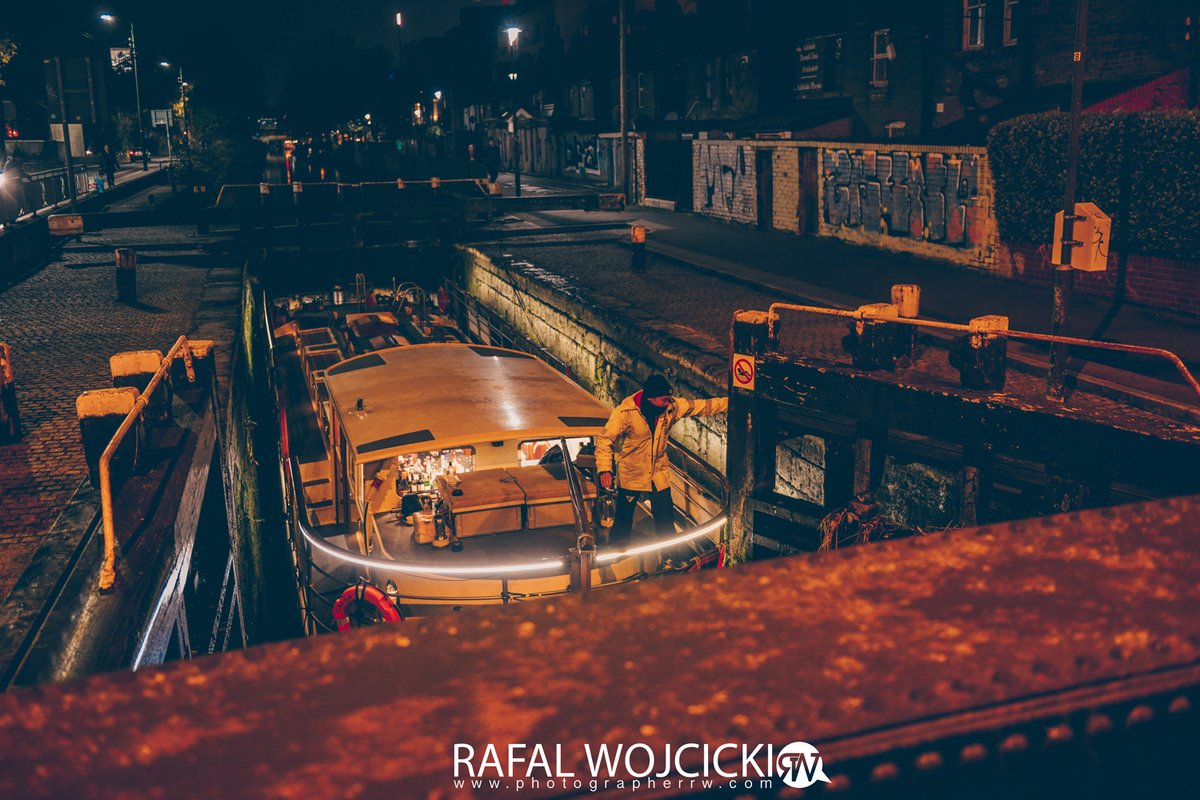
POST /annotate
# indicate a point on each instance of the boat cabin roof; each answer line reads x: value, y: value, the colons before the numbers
x: 441, y: 396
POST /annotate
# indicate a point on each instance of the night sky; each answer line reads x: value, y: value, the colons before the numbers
x: 246, y: 54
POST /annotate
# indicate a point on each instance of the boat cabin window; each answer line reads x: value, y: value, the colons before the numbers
x: 417, y: 471
x: 533, y: 452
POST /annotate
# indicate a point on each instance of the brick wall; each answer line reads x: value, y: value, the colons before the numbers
x: 931, y: 202
x: 1151, y: 281
x: 724, y: 180
x: 785, y: 167
x: 936, y: 203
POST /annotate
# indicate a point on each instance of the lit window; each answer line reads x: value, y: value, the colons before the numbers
x: 1010, y: 21
x: 973, y: 13
x: 881, y: 54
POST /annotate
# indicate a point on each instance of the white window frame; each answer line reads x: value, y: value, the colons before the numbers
x: 1010, y: 22
x: 881, y: 41
x: 974, y: 15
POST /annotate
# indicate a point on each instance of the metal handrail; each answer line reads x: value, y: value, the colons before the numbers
x: 867, y: 316
x: 6, y: 368
x: 108, y: 571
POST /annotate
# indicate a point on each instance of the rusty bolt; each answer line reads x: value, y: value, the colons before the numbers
x: 887, y: 771
x: 927, y: 762
x: 1098, y: 724
x: 1180, y: 705
x: 972, y: 753
x: 1139, y: 716
x: 1015, y: 743
x: 1059, y: 734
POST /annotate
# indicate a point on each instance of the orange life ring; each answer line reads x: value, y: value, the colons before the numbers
x: 364, y: 592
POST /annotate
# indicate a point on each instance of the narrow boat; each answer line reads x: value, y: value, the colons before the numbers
x: 426, y: 477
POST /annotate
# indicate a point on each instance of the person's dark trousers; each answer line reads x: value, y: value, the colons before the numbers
x: 661, y: 506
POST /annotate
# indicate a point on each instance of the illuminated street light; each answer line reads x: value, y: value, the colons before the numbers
x: 513, y: 32
x: 137, y: 86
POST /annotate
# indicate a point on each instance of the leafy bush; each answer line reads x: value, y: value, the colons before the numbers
x: 1141, y: 169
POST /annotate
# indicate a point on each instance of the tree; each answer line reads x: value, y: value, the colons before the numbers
x: 125, y: 128
x: 8, y: 51
x: 222, y: 150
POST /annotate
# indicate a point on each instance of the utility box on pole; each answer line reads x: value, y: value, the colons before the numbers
x: 1092, y: 232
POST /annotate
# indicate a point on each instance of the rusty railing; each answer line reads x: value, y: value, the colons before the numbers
x: 108, y: 568
x: 1070, y: 341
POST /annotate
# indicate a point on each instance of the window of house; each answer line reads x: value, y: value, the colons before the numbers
x: 880, y: 56
x: 973, y: 12
x: 708, y: 80
x: 587, y: 101
x: 1010, y: 21
x: 641, y: 90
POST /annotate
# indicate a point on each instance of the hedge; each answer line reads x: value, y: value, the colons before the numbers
x: 1141, y: 169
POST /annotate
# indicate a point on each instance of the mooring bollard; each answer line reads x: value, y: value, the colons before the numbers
x: 101, y: 413
x: 136, y: 368
x: 872, y: 342
x: 126, y: 275
x: 981, y: 357
x: 10, y: 415
x: 637, y: 248
x: 907, y: 299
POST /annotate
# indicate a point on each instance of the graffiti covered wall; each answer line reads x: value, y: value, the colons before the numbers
x: 723, y: 180
x: 936, y: 203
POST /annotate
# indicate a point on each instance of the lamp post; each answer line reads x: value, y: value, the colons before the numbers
x: 1064, y: 275
x: 624, y: 111
x: 399, y: 40
x: 137, y: 88
x: 514, y: 33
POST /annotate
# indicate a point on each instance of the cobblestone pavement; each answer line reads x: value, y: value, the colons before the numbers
x: 63, y: 323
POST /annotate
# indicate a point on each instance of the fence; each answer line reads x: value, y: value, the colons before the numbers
x: 41, y: 190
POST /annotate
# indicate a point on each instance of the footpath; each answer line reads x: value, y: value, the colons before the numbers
x: 826, y: 271
x: 63, y: 322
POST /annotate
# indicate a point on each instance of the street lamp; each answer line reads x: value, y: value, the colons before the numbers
x: 513, y: 34
x: 137, y: 87
x: 399, y: 40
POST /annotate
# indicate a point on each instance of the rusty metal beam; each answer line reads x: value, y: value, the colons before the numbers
x: 1073, y: 441
x: 919, y: 656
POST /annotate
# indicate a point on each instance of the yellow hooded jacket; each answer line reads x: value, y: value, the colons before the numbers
x: 640, y: 455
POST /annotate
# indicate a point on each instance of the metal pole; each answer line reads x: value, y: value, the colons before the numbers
x: 1064, y: 278
x: 516, y: 159
x: 137, y: 91
x: 624, y: 111
x: 68, y: 160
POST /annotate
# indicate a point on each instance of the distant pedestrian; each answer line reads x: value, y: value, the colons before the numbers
x: 491, y: 160
x: 108, y: 163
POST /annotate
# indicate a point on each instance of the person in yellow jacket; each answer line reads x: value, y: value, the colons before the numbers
x: 633, y: 445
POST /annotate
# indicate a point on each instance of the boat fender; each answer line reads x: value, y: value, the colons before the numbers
x: 364, y: 592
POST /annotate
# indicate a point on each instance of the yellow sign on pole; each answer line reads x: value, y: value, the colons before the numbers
x: 743, y: 370
x: 1090, y: 236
